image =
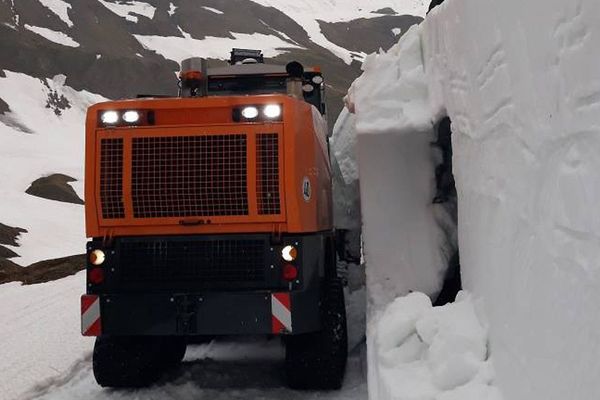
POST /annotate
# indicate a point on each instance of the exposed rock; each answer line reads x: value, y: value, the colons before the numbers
x: 55, y: 187
x: 368, y: 34
x: 5, y: 252
x: 9, y: 234
x: 43, y: 271
x: 3, y: 106
x: 385, y: 11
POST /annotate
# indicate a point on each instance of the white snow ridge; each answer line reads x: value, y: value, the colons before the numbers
x: 53, y: 36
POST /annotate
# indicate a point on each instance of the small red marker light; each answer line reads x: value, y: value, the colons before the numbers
x: 96, y: 276
x: 289, y: 272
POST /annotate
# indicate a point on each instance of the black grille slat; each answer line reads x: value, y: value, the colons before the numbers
x: 186, y: 176
x: 111, y: 178
x: 267, y: 180
x: 208, y: 262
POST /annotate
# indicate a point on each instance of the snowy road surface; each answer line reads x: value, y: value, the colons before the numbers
x: 43, y: 355
x: 228, y: 369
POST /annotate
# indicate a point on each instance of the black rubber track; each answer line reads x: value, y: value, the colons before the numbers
x: 317, y: 361
x: 134, y: 361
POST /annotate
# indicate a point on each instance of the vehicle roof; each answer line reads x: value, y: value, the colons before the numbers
x: 252, y: 69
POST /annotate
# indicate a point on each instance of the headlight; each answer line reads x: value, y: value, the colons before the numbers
x: 318, y: 79
x: 97, y: 257
x: 250, y: 112
x: 289, y: 253
x: 272, y: 111
x: 131, y: 116
x: 110, y: 117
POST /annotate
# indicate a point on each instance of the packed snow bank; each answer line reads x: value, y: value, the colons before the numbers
x: 422, y: 352
x: 405, y: 248
x: 521, y: 84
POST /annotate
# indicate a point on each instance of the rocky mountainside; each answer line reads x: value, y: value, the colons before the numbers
x: 58, y: 56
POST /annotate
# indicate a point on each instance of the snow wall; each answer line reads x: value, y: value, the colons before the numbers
x: 521, y: 84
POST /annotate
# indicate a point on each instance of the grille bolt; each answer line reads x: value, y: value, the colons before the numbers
x: 171, y: 300
x: 272, y: 266
x: 112, y: 252
x: 296, y: 243
x: 298, y: 282
x: 108, y: 300
x: 271, y: 249
x: 112, y: 270
x: 200, y: 299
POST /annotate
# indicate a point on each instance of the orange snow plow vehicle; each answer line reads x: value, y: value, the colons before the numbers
x: 210, y: 214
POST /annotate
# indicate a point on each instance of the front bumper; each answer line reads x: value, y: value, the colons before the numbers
x: 210, y: 313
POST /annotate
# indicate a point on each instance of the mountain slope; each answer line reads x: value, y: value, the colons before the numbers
x: 59, y: 56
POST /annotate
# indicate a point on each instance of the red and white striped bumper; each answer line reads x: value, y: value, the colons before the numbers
x: 281, y: 313
x: 91, y: 324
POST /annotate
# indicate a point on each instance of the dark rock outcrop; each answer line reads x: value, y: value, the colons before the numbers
x: 55, y: 187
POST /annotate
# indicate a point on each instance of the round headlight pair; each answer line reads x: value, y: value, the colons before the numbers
x: 270, y: 111
x: 113, y: 117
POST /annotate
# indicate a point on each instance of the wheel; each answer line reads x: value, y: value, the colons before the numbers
x: 127, y: 361
x: 318, y: 360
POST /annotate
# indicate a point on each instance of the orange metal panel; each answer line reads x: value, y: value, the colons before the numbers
x: 301, y: 153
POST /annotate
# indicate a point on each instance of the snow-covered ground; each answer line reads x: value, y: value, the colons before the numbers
x: 40, y: 337
x: 44, y: 355
x: 37, y: 142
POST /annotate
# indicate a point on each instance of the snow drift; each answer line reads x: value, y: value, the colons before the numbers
x: 521, y: 84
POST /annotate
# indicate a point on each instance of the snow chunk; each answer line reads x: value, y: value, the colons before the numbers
x: 129, y: 9
x: 417, y: 351
x: 397, y: 31
x: 53, y: 36
x: 213, y: 10
x: 392, y: 93
x: 60, y: 8
x: 179, y: 48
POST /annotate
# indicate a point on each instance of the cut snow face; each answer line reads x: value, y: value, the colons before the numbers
x: 406, y: 249
x: 417, y: 351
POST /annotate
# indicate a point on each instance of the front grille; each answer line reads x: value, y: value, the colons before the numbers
x: 206, y: 263
x: 267, y: 181
x: 111, y: 178
x: 186, y: 176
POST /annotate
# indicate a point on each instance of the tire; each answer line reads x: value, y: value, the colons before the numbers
x: 128, y: 361
x: 317, y: 361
